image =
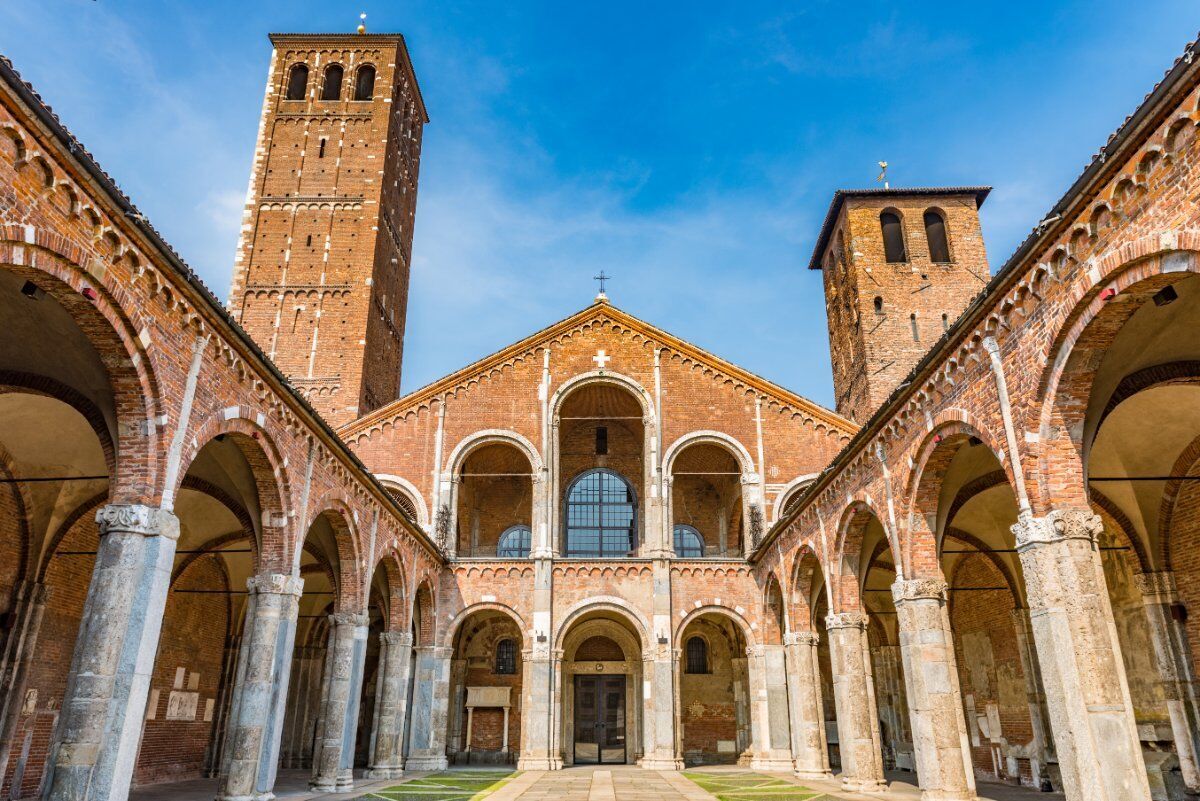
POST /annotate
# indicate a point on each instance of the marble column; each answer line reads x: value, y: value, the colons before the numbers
x: 395, y: 659
x: 341, y: 691
x: 854, y: 697
x: 772, y: 729
x: 1173, y: 655
x: 1091, y: 715
x: 1041, y: 746
x: 255, y: 723
x: 658, y: 721
x: 539, y: 686
x: 935, y: 711
x: 19, y: 648
x: 430, y: 709
x: 809, y: 749
x: 96, y: 741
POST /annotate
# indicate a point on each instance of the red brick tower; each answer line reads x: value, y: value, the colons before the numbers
x: 900, y: 266
x: 321, y: 275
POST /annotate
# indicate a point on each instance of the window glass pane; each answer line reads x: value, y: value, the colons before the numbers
x: 514, y: 543
x: 601, y: 516
x: 688, y: 542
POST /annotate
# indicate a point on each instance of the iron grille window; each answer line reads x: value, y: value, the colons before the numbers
x: 697, y: 655
x: 601, y: 515
x: 506, y: 657
x: 688, y: 542
x: 514, y: 543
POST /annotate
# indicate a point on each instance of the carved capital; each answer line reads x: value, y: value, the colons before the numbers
x: 847, y: 620
x: 926, y: 589
x: 348, y: 619
x: 1058, y: 526
x: 809, y: 638
x: 275, y: 583
x: 1158, y: 587
x: 136, y: 518
x: 397, y: 639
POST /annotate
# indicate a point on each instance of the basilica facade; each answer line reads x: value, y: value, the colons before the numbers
x: 231, y: 550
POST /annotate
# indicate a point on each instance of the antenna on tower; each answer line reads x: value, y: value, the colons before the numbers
x: 362, y: 24
x: 882, y: 178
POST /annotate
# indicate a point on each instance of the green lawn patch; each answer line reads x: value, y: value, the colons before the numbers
x: 748, y: 786
x: 448, y: 785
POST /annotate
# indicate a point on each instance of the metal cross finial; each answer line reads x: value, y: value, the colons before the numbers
x: 602, y: 278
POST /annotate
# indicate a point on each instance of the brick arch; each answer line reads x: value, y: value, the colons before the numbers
x: 12, y: 381
x: 446, y: 639
x: 1123, y: 526
x: 718, y: 438
x: 982, y: 548
x: 271, y: 485
x: 807, y: 568
x: 921, y: 545
x: 392, y: 565
x: 1184, y: 465
x: 852, y: 526
x: 793, y: 490
x: 339, y: 514
x: 406, y: 487
x: 493, y: 436
x: 110, y: 321
x: 604, y: 603
x: 1078, y: 337
x: 724, y: 611
x: 602, y: 377
x: 23, y: 503
x: 774, y: 625
x: 423, y: 602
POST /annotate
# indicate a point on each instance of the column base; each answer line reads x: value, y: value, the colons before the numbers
x: 539, y: 763
x: 938, y: 795
x: 864, y: 785
x: 660, y: 763
x: 385, y: 773
x: 813, y: 775
x: 426, y: 763
x: 773, y: 764
x: 268, y: 796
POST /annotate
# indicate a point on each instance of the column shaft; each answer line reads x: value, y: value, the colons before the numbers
x: 768, y: 682
x: 1091, y: 715
x: 100, y: 728
x: 939, y: 729
x: 809, y: 748
x: 333, y: 755
x: 391, y: 709
x: 858, y: 720
x: 255, y: 724
x: 1041, y: 747
x: 19, y: 650
x: 431, y: 706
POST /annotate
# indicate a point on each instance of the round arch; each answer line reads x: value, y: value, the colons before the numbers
x: 446, y: 638
x: 493, y: 436
x: 713, y: 609
x: 603, y: 603
x: 718, y: 438
x: 789, y: 491
x: 410, y: 489
x: 341, y: 519
x: 603, y: 377
x: 851, y: 530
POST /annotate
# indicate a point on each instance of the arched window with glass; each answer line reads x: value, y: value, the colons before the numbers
x: 297, y: 82
x: 514, y: 543
x: 506, y: 658
x: 332, y: 89
x: 696, y: 652
x: 689, y: 544
x: 364, y: 82
x: 601, y: 516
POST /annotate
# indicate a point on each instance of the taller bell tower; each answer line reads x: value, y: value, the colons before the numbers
x: 321, y: 274
x: 900, y: 266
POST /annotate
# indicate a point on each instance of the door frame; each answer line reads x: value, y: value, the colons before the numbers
x: 598, y: 678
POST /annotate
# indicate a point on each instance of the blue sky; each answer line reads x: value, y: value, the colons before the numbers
x: 689, y: 149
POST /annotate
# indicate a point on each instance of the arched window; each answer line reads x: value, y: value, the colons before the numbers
x: 364, y: 83
x: 912, y: 319
x: 601, y: 515
x: 506, y: 657
x: 697, y: 655
x: 333, y: 83
x: 688, y: 542
x: 878, y: 304
x: 514, y: 543
x: 893, y: 237
x: 935, y: 234
x: 297, y: 82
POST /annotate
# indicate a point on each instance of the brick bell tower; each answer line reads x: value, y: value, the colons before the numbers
x: 321, y: 274
x: 900, y: 266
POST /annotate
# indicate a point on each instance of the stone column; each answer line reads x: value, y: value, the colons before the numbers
x: 658, y: 720
x: 395, y: 658
x: 18, y: 656
x: 804, y: 704
x: 538, y: 721
x: 430, y: 709
x: 939, y: 729
x: 96, y: 741
x: 255, y: 723
x: 772, y: 735
x: 858, y: 719
x: 1091, y: 715
x: 1041, y: 751
x: 333, y: 753
x: 1173, y: 655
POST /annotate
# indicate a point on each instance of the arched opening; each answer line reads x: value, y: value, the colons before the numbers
x: 892, y: 230
x: 364, y: 82
x: 706, y: 501
x: 714, y: 703
x: 385, y: 614
x: 601, y: 690
x: 64, y: 378
x: 601, y: 469
x: 937, y: 237
x: 331, y: 87
x: 297, y: 82
x: 485, y: 690
x: 815, y: 716
x: 494, y: 500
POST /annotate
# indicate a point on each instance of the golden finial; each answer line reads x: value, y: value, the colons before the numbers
x: 362, y: 26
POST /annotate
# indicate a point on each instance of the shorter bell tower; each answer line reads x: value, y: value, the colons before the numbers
x: 900, y: 266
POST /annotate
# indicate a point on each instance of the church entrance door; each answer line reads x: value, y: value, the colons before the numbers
x: 599, y: 720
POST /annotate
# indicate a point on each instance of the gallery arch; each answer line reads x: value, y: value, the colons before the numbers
x: 707, y: 512
x: 486, y: 672
x: 715, y: 695
x: 494, y: 494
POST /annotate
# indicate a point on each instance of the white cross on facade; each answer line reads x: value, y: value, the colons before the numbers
x: 601, y: 358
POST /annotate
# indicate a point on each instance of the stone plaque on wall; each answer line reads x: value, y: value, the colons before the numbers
x: 488, y: 696
x: 181, y: 705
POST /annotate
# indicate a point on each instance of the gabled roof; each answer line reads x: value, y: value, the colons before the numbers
x: 599, y: 309
x: 840, y: 196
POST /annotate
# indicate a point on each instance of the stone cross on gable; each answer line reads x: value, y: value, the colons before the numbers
x: 601, y: 358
